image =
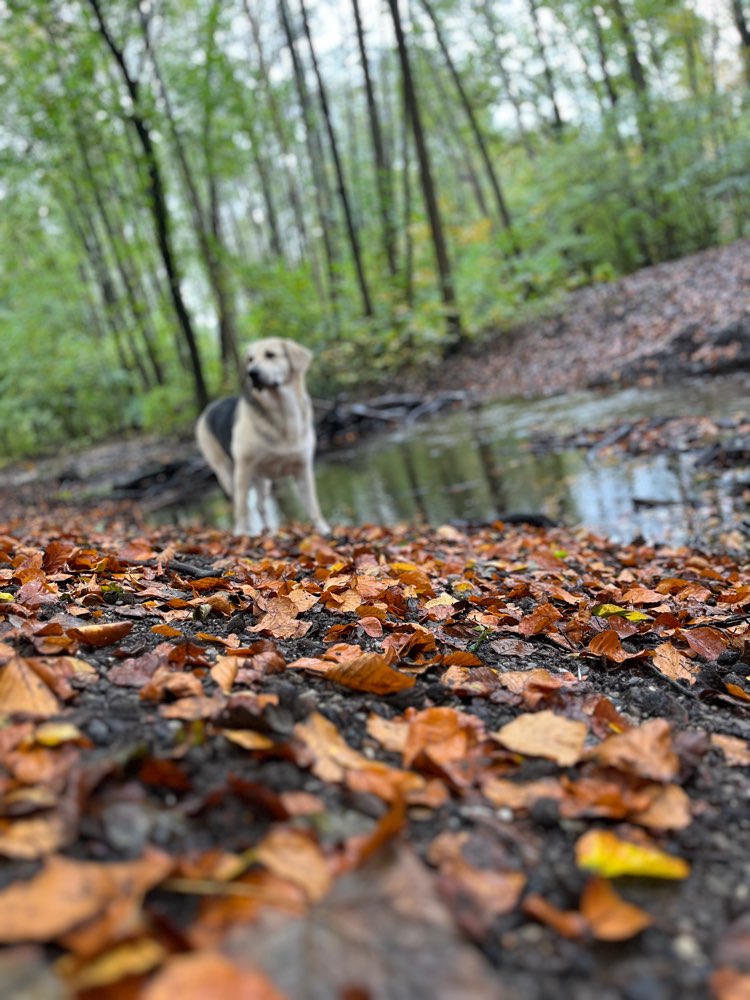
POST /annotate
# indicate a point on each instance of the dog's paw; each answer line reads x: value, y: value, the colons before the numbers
x: 322, y: 527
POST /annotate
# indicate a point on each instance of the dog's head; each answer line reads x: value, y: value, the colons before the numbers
x: 274, y: 361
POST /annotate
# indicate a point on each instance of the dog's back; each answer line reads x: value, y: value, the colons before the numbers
x: 220, y: 417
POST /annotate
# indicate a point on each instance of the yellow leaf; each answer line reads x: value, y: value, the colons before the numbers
x: 52, y: 734
x: 603, y: 852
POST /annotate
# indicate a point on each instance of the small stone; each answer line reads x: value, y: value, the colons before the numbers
x: 686, y: 947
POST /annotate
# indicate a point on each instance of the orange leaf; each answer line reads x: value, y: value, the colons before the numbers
x: 443, y: 734
x: 67, y: 893
x: 645, y: 751
x: 208, y: 975
x: 608, y: 645
x: 290, y: 854
x: 674, y: 664
x: 609, y: 916
x: 224, y: 672
x: 540, y: 620
x: 728, y: 984
x: 544, y: 734
x: 372, y: 673
x: 103, y: 634
x: 22, y: 690
x: 707, y: 642
x: 567, y: 923
x: 280, y: 620
x: 736, y: 751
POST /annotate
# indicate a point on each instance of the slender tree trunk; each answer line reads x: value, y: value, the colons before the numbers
x: 212, y: 252
x: 501, y: 205
x: 317, y: 163
x: 459, y: 154
x: 445, y: 274
x: 157, y: 204
x: 293, y: 194
x: 557, y: 120
x: 340, y: 181
x: 510, y: 91
x: 743, y: 30
x: 382, y: 167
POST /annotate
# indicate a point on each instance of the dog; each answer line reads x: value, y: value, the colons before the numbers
x: 264, y: 434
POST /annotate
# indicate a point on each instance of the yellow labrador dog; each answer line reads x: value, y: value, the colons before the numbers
x: 264, y: 434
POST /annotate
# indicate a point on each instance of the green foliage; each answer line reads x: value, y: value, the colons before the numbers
x: 650, y: 162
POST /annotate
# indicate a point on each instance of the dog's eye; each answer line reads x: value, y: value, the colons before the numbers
x: 270, y: 354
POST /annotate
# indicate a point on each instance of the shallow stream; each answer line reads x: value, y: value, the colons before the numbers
x: 475, y: 464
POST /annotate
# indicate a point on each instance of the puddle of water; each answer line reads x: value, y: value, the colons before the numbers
x: 475, y: 465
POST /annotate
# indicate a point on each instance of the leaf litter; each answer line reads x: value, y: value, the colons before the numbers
x: 396, y: 762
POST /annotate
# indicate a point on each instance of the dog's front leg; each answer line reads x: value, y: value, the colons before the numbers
x: 305, y: 480
x: 263, y: 495
x: 243, y: 478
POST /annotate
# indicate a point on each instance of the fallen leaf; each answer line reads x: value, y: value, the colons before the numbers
x: 540, y: 620
x: 603, y: 852
x: 224, y: 672
x: 133, y: 958
x: 610, y: 917
x: 728, y: 984
x: 382, y: 931
x: 707, y: 642
x: 103, y: 634
x: 209, y: 975
x: 567, y: 923
x: 371, y: 673
x: 280, y: 620
x: 291, y: 855
x: 674, y: 664
x: 544, y: 734
x: 65, y: 894
x: 608, y: 645
x: 22, y: 690
x: 736, y: 751
x: 645, y: 750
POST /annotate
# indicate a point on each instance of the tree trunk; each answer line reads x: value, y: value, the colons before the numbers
x: 445, y: 275
x: 502, y: 208
x: 557, y: 120
x: 317, y: 162
x: 157, y: 204
x: 340, y: 181
x: 382, y: 167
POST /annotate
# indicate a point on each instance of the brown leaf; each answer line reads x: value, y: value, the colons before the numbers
x: 381, y: 932
x: 736, y: 751
x: 22, y: 690
x: 371, y: 673
x: 645, y: 751
x: 65, y: 894
x: 728, y: 984
x: 609, y: 916
x: 707, y: 642
x: 567, y: 923
x: 544, y: 734
x: 541, y: 619
x: 280, y: 620
x: 442, y: 734
x: 291, y: 855
x: 103, y: 634
x: 608, y: 645
x: 674, y: 664
x: 224, y: 672
x: 209, y: 975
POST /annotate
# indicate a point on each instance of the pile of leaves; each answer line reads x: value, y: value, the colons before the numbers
x: 410, y: 762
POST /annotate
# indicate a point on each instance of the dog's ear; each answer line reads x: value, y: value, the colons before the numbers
x: 299, y: 356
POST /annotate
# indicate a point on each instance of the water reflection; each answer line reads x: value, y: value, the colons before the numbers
x: 475, y: 465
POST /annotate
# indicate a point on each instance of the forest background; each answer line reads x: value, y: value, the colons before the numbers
x: 384, y: 181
